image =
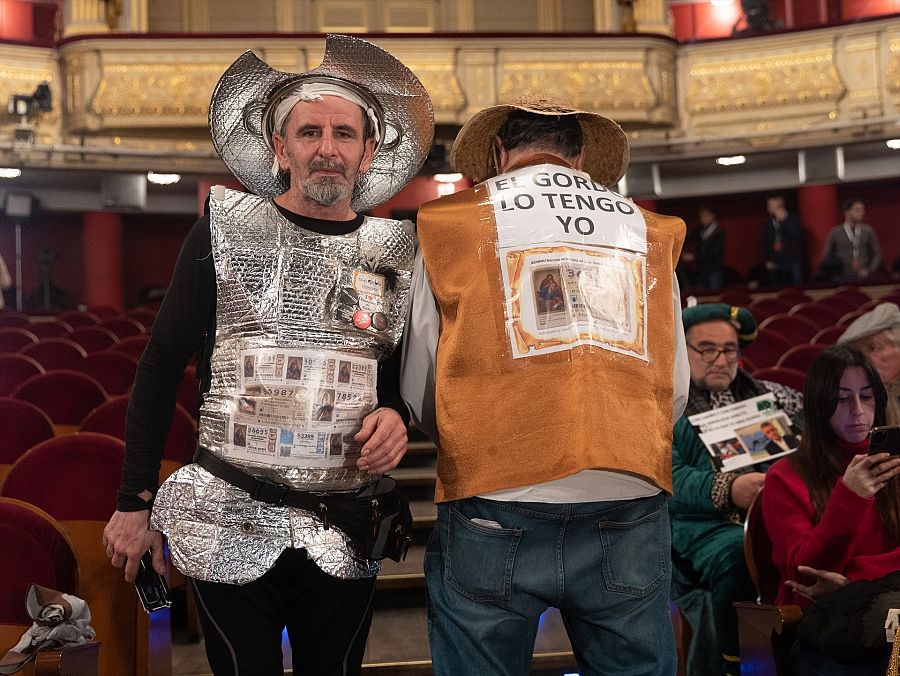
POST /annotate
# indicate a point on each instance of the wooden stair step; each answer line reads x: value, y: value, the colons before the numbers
x: 414, y: 476
x: 405, y: 574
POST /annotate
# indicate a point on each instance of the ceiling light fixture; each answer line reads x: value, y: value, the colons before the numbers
x: 731, y: 160
x: 9, y: 172
x: 893, y: 143
x: 720, y: 3
x: 163, y: 179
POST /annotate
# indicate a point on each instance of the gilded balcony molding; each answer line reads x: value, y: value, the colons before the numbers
x: 120, y: 84
x: 22, y: 69
x: 830, y: 85
x: 790, y: 83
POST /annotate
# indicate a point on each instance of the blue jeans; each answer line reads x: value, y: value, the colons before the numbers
x: 605, y: 565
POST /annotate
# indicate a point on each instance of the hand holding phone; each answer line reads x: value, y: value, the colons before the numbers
x: 151, y: 586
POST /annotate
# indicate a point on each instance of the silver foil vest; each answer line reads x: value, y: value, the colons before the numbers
x: 301, y: 321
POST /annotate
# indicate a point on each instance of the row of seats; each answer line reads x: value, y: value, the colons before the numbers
x: 24, y: 425
x: 839, y: 301
x: 72, y: 346
x: 99, y: 315
x: 114, y: 371
x: 64, y: 384
x: 73, y: 479
x: 72, y: 373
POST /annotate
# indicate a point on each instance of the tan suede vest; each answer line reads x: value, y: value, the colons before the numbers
x: 507, y: 422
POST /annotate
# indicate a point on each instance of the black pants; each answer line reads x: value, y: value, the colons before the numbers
x: 327, y: 621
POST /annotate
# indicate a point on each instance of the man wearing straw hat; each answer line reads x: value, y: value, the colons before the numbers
x: 554, y: 420
x: 291, y: 274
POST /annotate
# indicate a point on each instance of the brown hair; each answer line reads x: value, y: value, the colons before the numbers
x: 818, y: 459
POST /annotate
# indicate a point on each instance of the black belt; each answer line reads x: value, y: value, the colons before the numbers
x: 264, y: 490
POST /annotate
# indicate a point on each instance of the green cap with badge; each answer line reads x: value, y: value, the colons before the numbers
x: 739, y: 317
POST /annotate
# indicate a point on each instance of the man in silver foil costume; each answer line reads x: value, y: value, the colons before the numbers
x: 294, y: 302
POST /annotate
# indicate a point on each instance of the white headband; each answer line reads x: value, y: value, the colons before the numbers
x: 314, y: 91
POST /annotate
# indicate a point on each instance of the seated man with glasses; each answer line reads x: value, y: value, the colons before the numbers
x: 708, y: 506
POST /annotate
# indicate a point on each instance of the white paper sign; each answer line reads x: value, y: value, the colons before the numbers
x: 573, y: 263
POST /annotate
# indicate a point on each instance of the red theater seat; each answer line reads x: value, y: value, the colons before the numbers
x: 793, y: 296
x: 143, y: 314
x: 113, y: 370
x: 13, y: 318
x: 796, y: 329
x: 850, y: 317
x: 76, y: 318
x: 800, y: 357
x: 109, y: 418
x: 93, y: 338
x: 765, y: 630
x: 22, y: 425
x: 123, y: 326
x: 65, y: 396
x: 52, y: 328
x: 104, y: 311
x: 35, y: 551
x: 784, y: 376
x: 820, y: 315
x: 14, y: 338
x: 767, y: 348
x: 74, y: 479
x: 828, y: 336
x: 55, y: 353
x: 15, y: 369
x: 766, y: 307
x: 132, y: 345
x: 853, y: 295
x: 840, y: 304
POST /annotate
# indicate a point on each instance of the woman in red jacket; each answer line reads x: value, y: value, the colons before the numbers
x: 832, y: 510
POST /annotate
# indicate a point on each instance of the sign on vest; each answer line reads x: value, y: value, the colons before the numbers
x: 573, y: 257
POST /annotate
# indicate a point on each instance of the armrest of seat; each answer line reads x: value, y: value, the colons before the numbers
x: 73, y: 660
x: 765, y: 632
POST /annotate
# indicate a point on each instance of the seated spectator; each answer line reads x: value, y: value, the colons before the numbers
x: 708, y: 506
x: 832, y: 510
x: 877, y: 335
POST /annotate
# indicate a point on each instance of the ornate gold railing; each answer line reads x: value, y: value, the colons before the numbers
x: 133, y: 93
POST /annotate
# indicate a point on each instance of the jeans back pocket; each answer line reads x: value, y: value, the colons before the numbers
x: 480, y: 559
x: 635, y: 550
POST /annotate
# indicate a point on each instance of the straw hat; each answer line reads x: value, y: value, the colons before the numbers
x: 240, y: 116
x: 606, y: 145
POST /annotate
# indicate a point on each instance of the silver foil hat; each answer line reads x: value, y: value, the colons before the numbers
x: 247, y: 91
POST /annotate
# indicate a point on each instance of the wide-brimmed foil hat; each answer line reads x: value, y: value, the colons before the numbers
x: 606, y: 145
x: 242, y: 105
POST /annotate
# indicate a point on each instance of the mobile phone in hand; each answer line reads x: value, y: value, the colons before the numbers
x: 885, y: 439
x: 151, y: 586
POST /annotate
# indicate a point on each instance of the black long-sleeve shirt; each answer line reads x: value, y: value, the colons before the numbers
x: 185, y: 326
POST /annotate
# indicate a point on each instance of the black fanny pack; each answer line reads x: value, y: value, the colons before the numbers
x: 376, y: 517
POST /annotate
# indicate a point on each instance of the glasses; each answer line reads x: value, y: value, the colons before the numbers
x: 709, y: 354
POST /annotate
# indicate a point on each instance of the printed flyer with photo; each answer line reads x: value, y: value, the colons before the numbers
x: 742, y: 434
x: 573, y: 263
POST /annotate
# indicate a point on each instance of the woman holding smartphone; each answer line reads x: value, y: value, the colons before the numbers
x: 831, y: 509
